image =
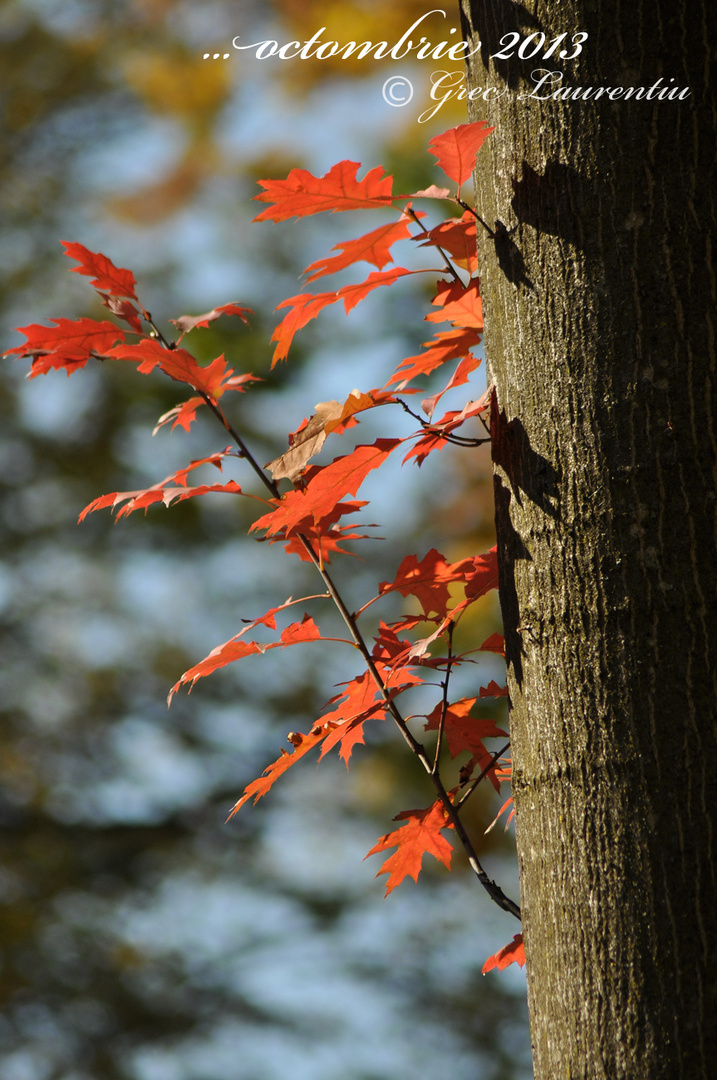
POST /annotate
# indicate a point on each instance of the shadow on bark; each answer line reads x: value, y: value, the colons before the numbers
x: 521, y: 473
x: 551, y: 201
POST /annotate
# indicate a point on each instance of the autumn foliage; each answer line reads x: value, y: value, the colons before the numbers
x: 304, y: 505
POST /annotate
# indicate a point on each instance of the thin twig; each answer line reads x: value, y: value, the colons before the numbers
x: 476, y: 215
x: 493, y: 890
x: 433, y: 429
x: 474, y: 783
x: 444, y: 703
x: 449, y: 265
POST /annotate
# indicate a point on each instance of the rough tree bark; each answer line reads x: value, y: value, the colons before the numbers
x: 601, y: 341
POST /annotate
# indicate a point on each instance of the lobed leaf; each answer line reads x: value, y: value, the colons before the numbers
x: 456, y: 149
x: 68, y: 344
x: 302, y: 194
x: 461, y: 305
x: 325, y: 488
x: 457, y: 237
x: 463, y: 731
x: 306, y: 306
x: 513, y: 953
x: 237, y: 649
x: 374, y: 247
x: 446, y: 345
x: 108, y: 277
x: 421, y: 835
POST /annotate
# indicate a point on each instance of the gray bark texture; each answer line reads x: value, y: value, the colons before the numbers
x: 600, y: 312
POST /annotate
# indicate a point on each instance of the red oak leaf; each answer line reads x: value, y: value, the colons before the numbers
x: 493, y: 690
x: 463, y: 731
x: 306, y: 306
x: 427, y: 580
x: 184, y: 414
x: 363, y: 702
x: 354, y: 706
x: 435, y: 438
x: 514, y: 953
x: 422, y: 834
x: 495, y: 643
x: 302, y: 744
x: 326, y: 486
x: 456, y: 149
x: 146, y: 497
x: 504, y: 807
x: 108, y: 277
x: 446, y: 345
x: 353, y: 294
x: 165, y: 491
x: 457, y: 237
x: 460, y: 376
x: 298, y: 632
x: 483, y: 574
x: 358, y: 402
x: 373, y: 248
x: 68, y: 344
x: 237, y: 649
x: 325, y: 536
x: 179, y: 364
x: 461, y: 305
x: 302, y: 194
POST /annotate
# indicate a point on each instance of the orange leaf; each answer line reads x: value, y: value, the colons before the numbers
x: 457, y: 237
x: 483, y: 575
x: 357, y: 402
x: 354, y: 705
x: 463, y: 731
x: 460, y: 376
x: 461, y: 305
x: 422, y: 834
x: 327, y: 485
x: 302, y: 744
x: 374, y: 248
x: 185, y: 413
x: 446, y: 345
x: 353, y: 294
x: 302, y: 194
x: 456, y: 149
x: 179, y: 364
x: 427, y: 580
x: 306, y: 306
x: 236, y: 649
x: 108, y: 277
x: 514, y: 953
x: 68, y: 344
x: 164, y: 491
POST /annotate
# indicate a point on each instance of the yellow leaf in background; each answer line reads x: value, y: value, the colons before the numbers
x: 178, y: 84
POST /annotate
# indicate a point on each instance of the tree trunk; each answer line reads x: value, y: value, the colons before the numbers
x: 601, y: 341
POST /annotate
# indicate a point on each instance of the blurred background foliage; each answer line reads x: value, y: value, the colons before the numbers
x: 141, y: 938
